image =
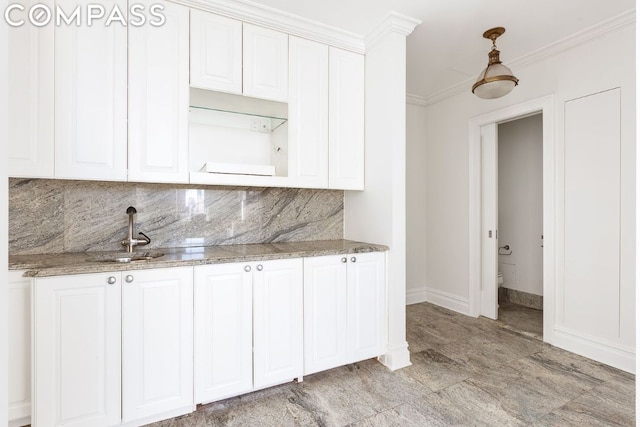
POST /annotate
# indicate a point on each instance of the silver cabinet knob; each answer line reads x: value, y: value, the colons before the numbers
x: 353, y: 259
x: 259, y: 267
x: 247, y: 268
x: 111, y: 280
x: 344, y: 259
x: 128, y: 278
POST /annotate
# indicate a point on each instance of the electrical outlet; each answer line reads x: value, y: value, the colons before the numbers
x: 259, y: 124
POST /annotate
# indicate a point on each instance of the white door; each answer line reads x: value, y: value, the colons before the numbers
x: 159, y: 98
x: 30, y: 67
x: 277, y: 322
x: 157, y: 342
x: 76, y: 364
x: 308, y: 113
x: 325, y: 313
x: 489, y: 287
x: 223, y: 338
x: 91, y: 98
x: 19, y: 304
x: 264, y: 63
x: 346, y: 120
x: 366, y: 304
x: 216, y: 52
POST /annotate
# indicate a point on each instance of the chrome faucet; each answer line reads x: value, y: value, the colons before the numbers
x: 130, y: 242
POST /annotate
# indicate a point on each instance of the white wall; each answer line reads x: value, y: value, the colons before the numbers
x: 520, y: 203
x: 575, y: 72
x: 416, y: 203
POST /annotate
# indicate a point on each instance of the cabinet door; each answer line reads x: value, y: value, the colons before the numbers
x: 308, y: 113
x: 19, y: 304
x: 159, y: 98
x: 366, y: 280
x: 264, y: 63
x: 325, y: 313
x: 77, y: 350
x: 222, y: 331
x: 30, y: 121
x: 216, y: 52
x: 346, y: 120
x: 91, y: 98
x: 157, y: 343
x: 277, y: 322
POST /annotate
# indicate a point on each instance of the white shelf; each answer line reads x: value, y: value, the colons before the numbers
x: 239, y: 180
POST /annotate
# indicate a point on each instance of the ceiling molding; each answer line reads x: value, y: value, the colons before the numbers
x: 393, y: 22
x: 416, y: 100
x: 554, y: 48
x: 268, y: 17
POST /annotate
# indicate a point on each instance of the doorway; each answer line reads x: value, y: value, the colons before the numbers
x: 484, y: 240
x: 520, y: 225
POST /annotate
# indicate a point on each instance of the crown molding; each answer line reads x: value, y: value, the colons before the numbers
x: 595, y: 31
x: 416, y: 100
x: 393, y: 22
x: 268, y: 17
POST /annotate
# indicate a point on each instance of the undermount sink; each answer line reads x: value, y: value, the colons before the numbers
x: 127, y: 256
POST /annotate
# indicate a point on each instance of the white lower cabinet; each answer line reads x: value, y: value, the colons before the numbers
x: 325, y: 313
x: 241, y: 305
x: 344, y: 309
x: 223, y: 331
x: 82, y: 375
x: 157, y: 344
x: 19, y: 304
x: 277, y: 322
x: 77, y: 350
x: 366, y: 306
x: 133, y: 347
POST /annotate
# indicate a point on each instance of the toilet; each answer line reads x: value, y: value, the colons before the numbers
x: 500, y: 279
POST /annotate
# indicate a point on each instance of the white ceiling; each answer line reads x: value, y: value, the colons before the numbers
x: 448, y: 48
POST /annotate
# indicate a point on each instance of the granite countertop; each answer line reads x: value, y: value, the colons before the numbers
x: 42, y: 265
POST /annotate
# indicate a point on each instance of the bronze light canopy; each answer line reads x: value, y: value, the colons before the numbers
x: 496, y: 80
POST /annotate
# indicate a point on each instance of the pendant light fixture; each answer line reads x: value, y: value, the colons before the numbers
x: 496, y: 80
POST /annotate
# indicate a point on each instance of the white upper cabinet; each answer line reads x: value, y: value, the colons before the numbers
x: 308, y: 113
x: 346, y: 120
x: 30, y: 68
x: 216, y: 52
x: 265, y: 64
x: 91, y: 99
x: 231, y: 56
x: 159, y: 98
x: 76, y: 362
x: 157, y: 343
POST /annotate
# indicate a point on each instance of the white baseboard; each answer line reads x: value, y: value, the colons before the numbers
x: 615, y: 355
x: 416, y: 296
x: 447, y: 300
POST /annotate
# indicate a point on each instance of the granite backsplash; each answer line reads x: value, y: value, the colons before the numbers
x: 55, y: 216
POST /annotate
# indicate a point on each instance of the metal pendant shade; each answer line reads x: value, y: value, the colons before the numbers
x: 496, y: 80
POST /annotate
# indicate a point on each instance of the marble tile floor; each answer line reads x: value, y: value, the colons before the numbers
x: 465, y: 372
x: 525, y: 320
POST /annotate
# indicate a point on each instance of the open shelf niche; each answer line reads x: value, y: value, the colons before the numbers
x: 236, y: 140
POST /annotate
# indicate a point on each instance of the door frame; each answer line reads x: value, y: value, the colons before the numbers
x: 544, y: 105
